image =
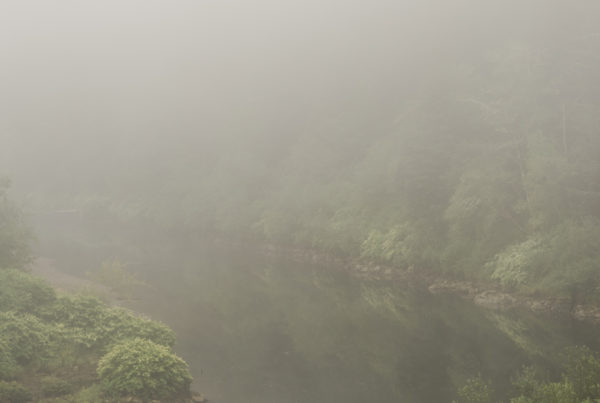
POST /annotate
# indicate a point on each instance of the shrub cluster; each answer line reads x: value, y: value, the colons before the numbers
x: 580, y: 383
x: 143, y: 369
x: 13, y: 392
x: 39, y: 330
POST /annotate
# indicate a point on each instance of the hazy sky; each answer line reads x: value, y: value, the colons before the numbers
x: 83, y: 77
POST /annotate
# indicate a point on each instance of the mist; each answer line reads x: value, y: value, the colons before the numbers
x: 325, y: 201
x: 124, y: 81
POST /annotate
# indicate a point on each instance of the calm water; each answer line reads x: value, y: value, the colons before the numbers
x: 262, y: 329
x: 258, y: 329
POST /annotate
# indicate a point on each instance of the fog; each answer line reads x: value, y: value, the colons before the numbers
x: 328, y: 201
x: 83, y: 83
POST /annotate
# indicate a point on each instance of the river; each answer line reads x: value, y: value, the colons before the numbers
x: 271, y: 329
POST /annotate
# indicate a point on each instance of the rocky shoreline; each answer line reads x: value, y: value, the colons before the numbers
x: 486, y: 295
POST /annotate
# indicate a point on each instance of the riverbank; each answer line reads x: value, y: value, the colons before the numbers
x: 488, y: 295
x: 484, y: 294
x: 44, y: 268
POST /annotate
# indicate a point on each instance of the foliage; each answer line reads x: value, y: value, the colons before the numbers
x: 143, y: 369
x: 402, y: 245
x: 15, y: 234
x: 8, y: 364
x: 472, y: 163
x: 580, y: 382
x: 21, y: 292
x: 77, y: 311
x: 28, y: 338
x: 511, y: 266
x: 52, y: 386
x: 42, y: 332
x: 13, y: 392
x: 476, y: 390
x: 582, y: 371
x: 532, y: 390
x: 92, y: 324
x: 90, y: 394
x: 121, y: 324
x: 70, y: 331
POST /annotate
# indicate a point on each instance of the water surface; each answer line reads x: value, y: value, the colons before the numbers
x: 261, y: 329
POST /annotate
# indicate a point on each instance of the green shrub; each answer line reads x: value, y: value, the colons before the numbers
x: 526, y: 382
x: 91, y: 394
x: 556, y: 392
x: 13, y: 392
x: 511, y: 266
x: 143, y: 369
x: 78, y: 311
x: 120, y: 324
x: 8, y: 365
x: 580, y: 381
x: 582, y: 370
x: 475, y: 391
x: 22, y: 292
x: 25, y: 335
x: 52, y: 386
x: 92, y: 324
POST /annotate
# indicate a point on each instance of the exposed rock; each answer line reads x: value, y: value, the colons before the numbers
x: 198, y: 398
x: 492, y: 299
x: 487, y: 295
x: 462, y: 288
x: 586, y: 313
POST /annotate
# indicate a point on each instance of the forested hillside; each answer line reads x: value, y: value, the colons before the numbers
x: 467, y: 143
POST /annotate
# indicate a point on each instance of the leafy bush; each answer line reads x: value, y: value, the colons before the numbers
x: 78, y: 311
x: 475, y: 391
x: 412, y: 243
x: 13, y: 392
x: 552, y: 392
x: 22, y: 292
x: 52, y: 386
x: 120, y: 324
x: 582, y: 370
x: 580, y: 381
x: 526, y: 382
x: 91, y: 394
x: 8, y: 365
x: 26, y: 336
x: 143, y: 369
x: 513, y: 265
x: 556, y: 392
x: 92, y: 324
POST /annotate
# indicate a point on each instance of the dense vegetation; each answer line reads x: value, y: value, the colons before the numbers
x: 71, y: 347
x: 456, y: 139
x: 579, y: 383
x: 51, y: 345
x: 475, y: 154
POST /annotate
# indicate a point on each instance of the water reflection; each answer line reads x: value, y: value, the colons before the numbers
x: 257, y: 329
